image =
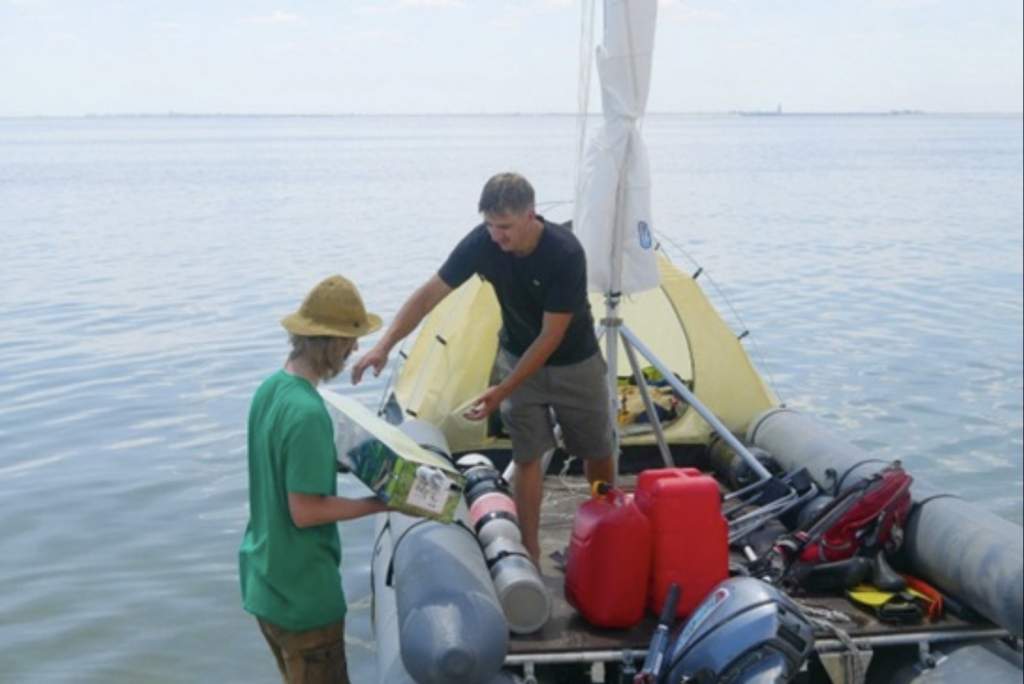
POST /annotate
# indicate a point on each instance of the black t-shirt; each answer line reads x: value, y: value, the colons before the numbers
x: 552, y: 278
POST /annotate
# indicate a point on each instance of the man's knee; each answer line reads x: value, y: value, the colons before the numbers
x: 528, y: 480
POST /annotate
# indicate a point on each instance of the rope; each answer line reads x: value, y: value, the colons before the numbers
x: 558, y: 488
x: 732, y: 310
x: 563, y: 474
x: 821, y: 613
x: 586, y: 66
x: 826, y: 619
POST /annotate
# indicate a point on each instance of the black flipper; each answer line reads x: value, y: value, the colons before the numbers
x: 884, y: 577
x: 835, y: 576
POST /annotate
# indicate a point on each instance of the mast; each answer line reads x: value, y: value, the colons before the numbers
x: 613, y: 206
x: 612, y: 214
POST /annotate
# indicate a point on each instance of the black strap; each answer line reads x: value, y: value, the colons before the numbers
x: 841, y: 479
x: 493, y: 515
x: 502, y: 555
x: 373, y: 594
x: 389, y: 581
x: 928, y: 499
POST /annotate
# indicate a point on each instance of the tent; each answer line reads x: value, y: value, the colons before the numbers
x: 451, y: 361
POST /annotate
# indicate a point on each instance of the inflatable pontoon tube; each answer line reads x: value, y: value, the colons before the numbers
x: 450, y: 624
x: 961, y: 548
x: 390, y: 669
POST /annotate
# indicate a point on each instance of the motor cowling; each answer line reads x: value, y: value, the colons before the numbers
x: 745, y: 631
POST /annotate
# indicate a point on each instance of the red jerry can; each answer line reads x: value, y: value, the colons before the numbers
x: 690, y: 536
x: 607, y: 571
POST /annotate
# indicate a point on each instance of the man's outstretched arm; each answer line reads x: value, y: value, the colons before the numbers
x: 415, y: 309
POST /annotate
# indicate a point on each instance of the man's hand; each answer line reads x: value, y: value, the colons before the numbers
x: 409, y: 316
x: 486, y: 404
x: 376, y: 357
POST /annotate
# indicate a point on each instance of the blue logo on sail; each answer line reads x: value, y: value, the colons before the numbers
x: 644, y: 232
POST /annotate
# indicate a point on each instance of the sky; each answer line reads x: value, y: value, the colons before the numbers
x: 78, y: 57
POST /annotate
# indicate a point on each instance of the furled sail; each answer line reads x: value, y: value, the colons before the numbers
x: 613, y: 203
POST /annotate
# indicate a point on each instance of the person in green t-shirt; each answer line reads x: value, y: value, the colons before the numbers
x: 290, y: 554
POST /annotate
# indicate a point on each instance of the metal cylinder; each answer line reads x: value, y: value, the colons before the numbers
x: 519, y: 586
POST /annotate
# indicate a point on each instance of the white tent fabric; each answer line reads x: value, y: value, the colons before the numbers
x: 613, y: 206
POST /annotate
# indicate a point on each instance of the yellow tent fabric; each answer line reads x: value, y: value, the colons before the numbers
x: 450, y: 362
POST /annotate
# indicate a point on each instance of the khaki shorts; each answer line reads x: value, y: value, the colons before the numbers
x: 577, y: 395
x: 314, y: 656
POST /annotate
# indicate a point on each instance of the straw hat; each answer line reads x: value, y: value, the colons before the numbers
x: 333, y: 309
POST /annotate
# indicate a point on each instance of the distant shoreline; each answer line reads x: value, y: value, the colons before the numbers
x: 736, y: 113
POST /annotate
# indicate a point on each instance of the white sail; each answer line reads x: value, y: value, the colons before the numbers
x: 613, y: 206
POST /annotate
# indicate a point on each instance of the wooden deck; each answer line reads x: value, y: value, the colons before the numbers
x: 567, y: 633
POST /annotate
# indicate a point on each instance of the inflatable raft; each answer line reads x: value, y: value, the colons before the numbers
x: 973, y: 557
x: 700, y: 404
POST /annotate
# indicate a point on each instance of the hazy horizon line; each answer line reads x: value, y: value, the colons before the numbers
x: 325, y: 115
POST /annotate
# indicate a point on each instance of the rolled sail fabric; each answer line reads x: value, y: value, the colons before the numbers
x: 483, y: 480
x: 497, y: 525
x: 523, y: 596
x: 489, y: 503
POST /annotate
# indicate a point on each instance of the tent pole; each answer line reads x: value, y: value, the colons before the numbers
x: 611, y: 324
x: 687, y: 395
x: 652, y: 413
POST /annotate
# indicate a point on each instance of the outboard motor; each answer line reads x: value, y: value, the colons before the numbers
x: 746, y: 631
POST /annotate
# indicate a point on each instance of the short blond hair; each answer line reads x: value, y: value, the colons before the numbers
x: 325, y: 355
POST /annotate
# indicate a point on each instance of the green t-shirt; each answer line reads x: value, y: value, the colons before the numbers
x: 289, y: 575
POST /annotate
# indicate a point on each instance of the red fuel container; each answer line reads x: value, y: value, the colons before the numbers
x: 690, y: 536
x: 607, y: 572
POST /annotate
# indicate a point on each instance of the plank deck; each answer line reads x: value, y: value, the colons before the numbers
x: 567, y: 632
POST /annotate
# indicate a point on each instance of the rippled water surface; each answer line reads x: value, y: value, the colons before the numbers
x: 876, y: 261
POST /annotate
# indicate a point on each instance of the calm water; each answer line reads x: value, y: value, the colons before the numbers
x: 876, y: 260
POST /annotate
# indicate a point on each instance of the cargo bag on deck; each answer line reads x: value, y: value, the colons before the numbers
x: 869, y: 516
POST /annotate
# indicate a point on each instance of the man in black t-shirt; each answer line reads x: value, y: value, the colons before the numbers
x: 548, y: 359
